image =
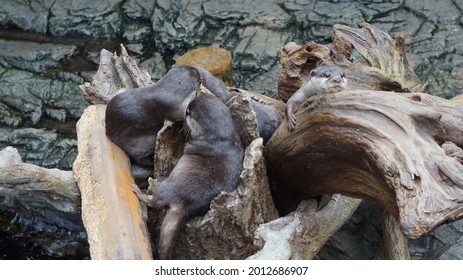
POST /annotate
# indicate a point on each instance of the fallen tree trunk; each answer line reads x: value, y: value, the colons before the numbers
x: 384, y: 147
x: 49, y: 191
x: 110, y: 210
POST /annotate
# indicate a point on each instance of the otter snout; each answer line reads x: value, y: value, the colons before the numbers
x: 337, y: 80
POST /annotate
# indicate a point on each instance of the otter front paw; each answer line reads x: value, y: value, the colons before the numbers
x: 291, y: 122
x: 136, y: 190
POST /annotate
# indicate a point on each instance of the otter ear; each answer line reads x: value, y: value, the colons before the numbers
x: 203, y: 90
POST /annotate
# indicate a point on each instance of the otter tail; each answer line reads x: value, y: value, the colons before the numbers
x: 169, y: 230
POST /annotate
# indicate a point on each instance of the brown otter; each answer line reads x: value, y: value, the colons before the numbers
x: 324, y: 79
x: 267, y: 116
x: 211, y: 163
x: 134, y: 117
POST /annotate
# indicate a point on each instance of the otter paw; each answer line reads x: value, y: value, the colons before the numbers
x: 136, y: 190
x: 291, y: 122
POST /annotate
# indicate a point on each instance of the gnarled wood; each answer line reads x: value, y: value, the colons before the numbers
x: 379, y: 146
x: 389, y: 68
x: 302, y: 233
x: 380, y: 50
x: 115, y: 74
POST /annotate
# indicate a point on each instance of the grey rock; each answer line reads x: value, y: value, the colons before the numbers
x: 155, y: 66
x: 40, y: 147
x: 33, y: 56
x: 242, y: 13
x: 358, y: 239
x: 444, y: 11
x: 177, y: 24
x: 28, y: 15
x: 27, y: 96
x: 137, y: 33
x: 140, y: 10
x: 455, y: 252
x: 87, y: 17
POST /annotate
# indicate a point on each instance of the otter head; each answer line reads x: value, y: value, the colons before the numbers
x: 208, y: 118
x: 329, y: 78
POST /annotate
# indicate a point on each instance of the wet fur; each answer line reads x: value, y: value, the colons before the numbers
x: 318, y: 83
x: 211, y: 163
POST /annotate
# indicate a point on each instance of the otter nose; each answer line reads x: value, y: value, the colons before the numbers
x: 337, y: 80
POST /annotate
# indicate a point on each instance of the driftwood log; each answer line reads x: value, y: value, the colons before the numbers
x: 49, y: 193
x: 110, y: 210
x: 392, y: 148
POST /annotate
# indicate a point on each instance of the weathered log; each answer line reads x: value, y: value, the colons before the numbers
x: 49, y: 191
x: 301, y: 234
x: 110, y: 210
x: 297, y: 62
x: 458, y: 99
x: 378, y: 146
x: 277, y: 104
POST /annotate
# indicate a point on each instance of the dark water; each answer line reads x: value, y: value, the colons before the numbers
x: 24, y: 238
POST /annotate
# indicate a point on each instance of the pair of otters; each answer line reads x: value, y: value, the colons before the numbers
x: 212, y: 157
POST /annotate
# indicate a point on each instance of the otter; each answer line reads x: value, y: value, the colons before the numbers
x: 211, y: 162
x: 268, y: 119
x: 324, y: 79
x: 134, y: 117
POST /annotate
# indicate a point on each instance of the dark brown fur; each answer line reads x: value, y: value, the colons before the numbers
x: 211, y: 163
x: 134, y: 117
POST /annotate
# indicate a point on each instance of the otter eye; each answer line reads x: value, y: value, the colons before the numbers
x: 343, y: 75
x: 327, y: 74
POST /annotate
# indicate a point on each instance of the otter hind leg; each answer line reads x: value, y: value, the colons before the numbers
x: 169, y: 230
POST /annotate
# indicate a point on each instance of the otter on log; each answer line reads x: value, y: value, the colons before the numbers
x: 211, y: 162
x: 134, y: 117
x: 324, y: 79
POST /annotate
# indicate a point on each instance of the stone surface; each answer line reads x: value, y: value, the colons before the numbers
x: 88, y: 17
x: 32, y: 56
x: 41, y: 147
x: 27, y: 97
x: 26, y: 15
